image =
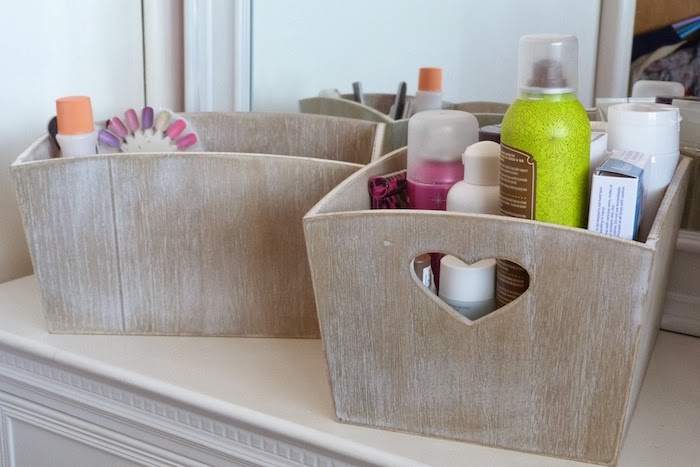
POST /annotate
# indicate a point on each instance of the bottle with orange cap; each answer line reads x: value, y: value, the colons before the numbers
x: 76, y: 135
x: 429, y: 93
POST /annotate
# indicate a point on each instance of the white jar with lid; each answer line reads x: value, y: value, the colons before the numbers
x: 653, y: 129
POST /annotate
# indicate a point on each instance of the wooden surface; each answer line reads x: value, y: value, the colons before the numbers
x: 187, y: 243
x: 376, y: 109
x: 553, y: 372
x: 304, y: 135
x: 691, y: 211
x: 662, y: 238
x: 653, y: 14
x: 396, y: 130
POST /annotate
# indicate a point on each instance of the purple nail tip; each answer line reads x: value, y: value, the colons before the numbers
x: 109, y: 139
x: 147, y: 118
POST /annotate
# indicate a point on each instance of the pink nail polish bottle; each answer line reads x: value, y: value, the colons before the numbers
x: 436, y: 141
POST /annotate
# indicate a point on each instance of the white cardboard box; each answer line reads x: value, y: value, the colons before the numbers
x: 617, y: 194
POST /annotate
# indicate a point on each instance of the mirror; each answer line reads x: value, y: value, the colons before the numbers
x: 298, y: 50
x: 301, y: 48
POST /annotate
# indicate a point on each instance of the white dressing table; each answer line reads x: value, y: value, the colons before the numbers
x: 79, y: 400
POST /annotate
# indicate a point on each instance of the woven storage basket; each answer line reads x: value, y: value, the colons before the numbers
x: 185, y: 243
x: 555, y: 372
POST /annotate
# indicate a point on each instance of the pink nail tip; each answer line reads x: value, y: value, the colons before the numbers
x: 117, y: 126
x: 186, y: 141
x: 132, y: 120
x: 176, y: 128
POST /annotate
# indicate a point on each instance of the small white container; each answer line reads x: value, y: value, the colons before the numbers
x: 469, y: 289
x: 478, y: 192
x: 655, y: 88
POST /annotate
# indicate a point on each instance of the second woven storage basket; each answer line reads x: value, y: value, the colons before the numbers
x: 206, y: 244
x: 555, y: 372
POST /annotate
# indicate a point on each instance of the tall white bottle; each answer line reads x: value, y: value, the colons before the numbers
x: 471, y: 289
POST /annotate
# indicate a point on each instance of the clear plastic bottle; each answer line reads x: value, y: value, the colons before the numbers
x: 436, y: 141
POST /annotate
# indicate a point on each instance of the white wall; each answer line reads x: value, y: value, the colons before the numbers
x: 53, y: 48
x: 303, y: 46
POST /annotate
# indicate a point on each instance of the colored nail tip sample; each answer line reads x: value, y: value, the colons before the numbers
x: 186, y: 141
x: 144, y: 133
x: 109, y: 139
x: 132, y: 120
x: 117, y: 127
x: 175, y: 129
x: 162, y: 121
x: 147, y: 117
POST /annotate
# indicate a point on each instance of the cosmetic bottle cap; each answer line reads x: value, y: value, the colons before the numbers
x: 482, y: 162
x: 430, y: 79
x: 548, y: 63
x: 74, y: 115
x: 438, y: 136
x: 420, y: 262
x: 460, y: 282
x: 490, y: 133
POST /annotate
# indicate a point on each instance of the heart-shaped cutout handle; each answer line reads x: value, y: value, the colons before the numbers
x: 473, y: 290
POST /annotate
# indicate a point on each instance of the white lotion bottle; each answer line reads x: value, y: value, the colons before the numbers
x: 479, y: 191
x: 429, y: 93
x: 469, y: 289
x: 76, y: 135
